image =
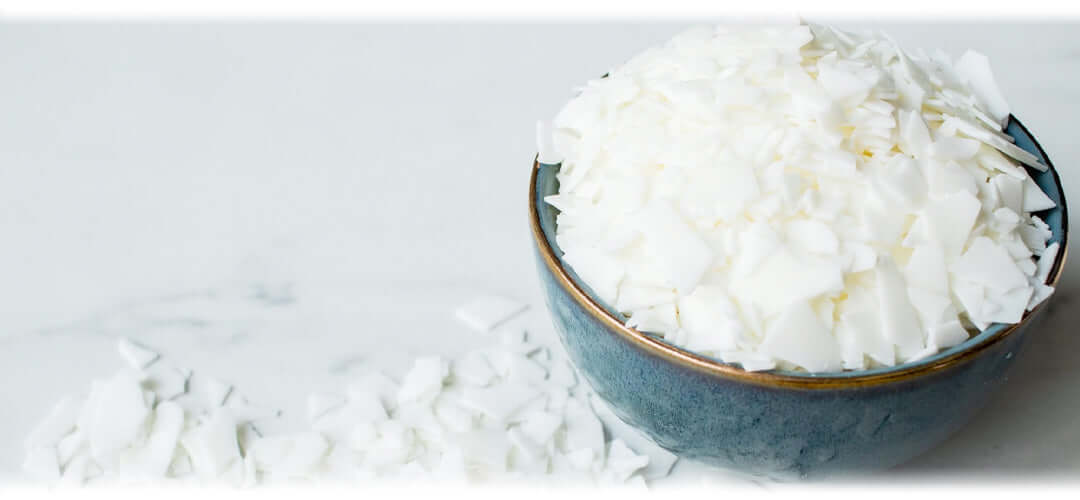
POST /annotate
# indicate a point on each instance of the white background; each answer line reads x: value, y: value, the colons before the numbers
x: 157, y: 179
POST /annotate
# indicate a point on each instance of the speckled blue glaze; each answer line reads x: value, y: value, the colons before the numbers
x: 817, y: 426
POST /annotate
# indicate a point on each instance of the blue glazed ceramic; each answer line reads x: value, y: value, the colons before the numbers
x: 782, y: 425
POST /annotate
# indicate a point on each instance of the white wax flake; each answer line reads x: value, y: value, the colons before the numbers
x: 528, y: 452
x: 1040, y: 293
x: 181, y: 465
x: 524, y: 370
x: 654, y: 319
x: 374, y: 385
x: 117, y: 417
x: 930, y: 306
x: 710, y: 319
x: 582, y: 459
x: 836, y: 163
x: 749, y: 361
x: 154, y: 459
x: 166, y: 380
x: 212, y: 446
x: 914, y: 136
x: 622, y: 461
x: 70, y: 445
x: 947, y: 334
x: 583, y: 429
x: 422, y: 420
x: 473, y: 369
x: 289, y: 456
x: 498, y: 402
x: 974, y: 67
x: 946, y: 178
x: 954, y: 148
x: 216, y: 392
x: 424, y: 380
x: 863, y: 257
x: 1035, y: 199
x: 926, y: 269
x: 859, y: 333
x: 992, y: 160
x: 633, y: 297
x: 545, y: 144
x: 361, y: 436
x: 137, y: 356
x: 486, y: 449
x: 899, y: 322
x: 1046, y: 262
x: 562, y: 374
x: 486, y: 312
x: 660, y: 460
x: 540, y: 426
x: 784, y: 279
x: 813, y: 236
x: 951, y: 219
x: 1009, y: 307
x: 903, y: 183
x: 1026, y: 265
x: 321, y: 403
x: 676, y: 249
x: 517, y: 341
x: 78, y: 471
x: 500, y: 361
x: 988, y: 264
x: 246, y: 411
x: 455, y: 418
x: 797, y: 336
x: 600, y: 271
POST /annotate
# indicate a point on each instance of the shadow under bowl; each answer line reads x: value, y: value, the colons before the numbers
x: 781, y: 425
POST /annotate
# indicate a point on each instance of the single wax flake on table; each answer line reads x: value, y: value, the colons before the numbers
x: 489, y: 311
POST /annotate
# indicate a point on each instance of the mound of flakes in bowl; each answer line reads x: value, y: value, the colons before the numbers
x: 801, y: 198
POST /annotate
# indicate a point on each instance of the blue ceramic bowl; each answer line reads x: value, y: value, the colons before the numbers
x: 781, y: 425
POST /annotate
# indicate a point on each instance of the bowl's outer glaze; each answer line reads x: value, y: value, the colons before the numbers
x: 781, y: 431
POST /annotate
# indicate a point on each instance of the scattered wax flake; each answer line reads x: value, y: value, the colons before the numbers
x: 486, y: 312
x: 216, y: 391
x: 623, y: 462
x: 212, y: 446
x: 321, y: 403
x: 137, y: 356
x: 118, y: 417
x: 424, y: 380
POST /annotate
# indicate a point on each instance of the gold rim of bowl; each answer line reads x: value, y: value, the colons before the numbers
x: 715, y: 368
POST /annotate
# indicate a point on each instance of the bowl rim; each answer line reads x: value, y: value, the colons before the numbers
x: 712, y: 367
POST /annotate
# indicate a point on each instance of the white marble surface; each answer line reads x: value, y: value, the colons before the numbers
x: 278, y: 204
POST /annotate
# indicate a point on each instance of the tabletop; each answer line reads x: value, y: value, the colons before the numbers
x: 277, y: 203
